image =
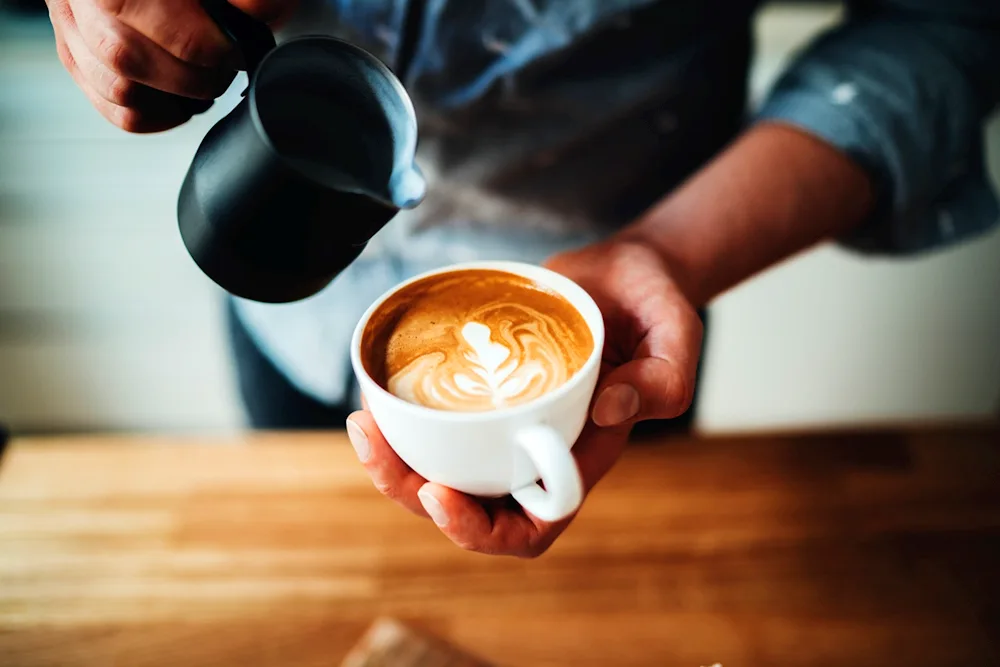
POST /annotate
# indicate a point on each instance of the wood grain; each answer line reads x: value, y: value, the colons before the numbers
x: 853, y: 549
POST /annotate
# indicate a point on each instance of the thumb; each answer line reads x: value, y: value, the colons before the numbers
x: 647, y: 388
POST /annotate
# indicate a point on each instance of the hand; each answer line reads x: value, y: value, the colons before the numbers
x: 651, y: 351
x: 149, y: 65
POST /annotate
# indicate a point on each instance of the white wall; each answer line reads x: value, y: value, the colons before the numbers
x: 105, y: 322
x: 831, y: 339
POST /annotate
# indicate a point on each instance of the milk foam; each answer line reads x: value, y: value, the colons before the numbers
x: 474, y: 340
x: 490, y: 372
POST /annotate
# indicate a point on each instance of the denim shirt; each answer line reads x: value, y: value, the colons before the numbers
x: 545, y: 124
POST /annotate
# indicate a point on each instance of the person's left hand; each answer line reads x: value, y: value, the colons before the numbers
x: 653, y: 340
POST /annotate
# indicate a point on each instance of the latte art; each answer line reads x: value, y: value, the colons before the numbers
x: 484, y: 374
x: 474, y: 341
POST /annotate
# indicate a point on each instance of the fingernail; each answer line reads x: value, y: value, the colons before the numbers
x: 359, y: 441
x: 616, y: 404
x: 433, y: 507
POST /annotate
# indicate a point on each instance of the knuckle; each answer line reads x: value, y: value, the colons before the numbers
x: 384, y: 487
x: 121, y: 91
x: 130, y: 120
x: 117, y: 53
x: 390, y: 489
x: 187, y: 47
x: 191, y: 47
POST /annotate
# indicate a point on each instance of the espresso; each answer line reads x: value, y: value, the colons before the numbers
x: 474, y: 340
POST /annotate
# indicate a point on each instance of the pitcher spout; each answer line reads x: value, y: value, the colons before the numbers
x: 407, y: 188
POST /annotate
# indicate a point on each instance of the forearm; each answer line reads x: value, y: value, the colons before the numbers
x: 773, y: 193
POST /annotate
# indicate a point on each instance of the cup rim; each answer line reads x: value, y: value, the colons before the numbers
x: 565, y: 287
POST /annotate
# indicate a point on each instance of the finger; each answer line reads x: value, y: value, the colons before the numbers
x: 393, y: 478
x: 503, y: 528
x: 184, y: 30
x: 492, y: 528
x: 181, y: 28
x: 130, y: 54
x: 658, y: 383
x: 124, y: 92
x: 500, y: 526
x: 130, y: 119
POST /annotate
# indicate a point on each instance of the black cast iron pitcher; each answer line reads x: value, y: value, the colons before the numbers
x: 285, y: 191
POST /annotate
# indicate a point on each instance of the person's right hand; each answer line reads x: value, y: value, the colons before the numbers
x: 149, y: 65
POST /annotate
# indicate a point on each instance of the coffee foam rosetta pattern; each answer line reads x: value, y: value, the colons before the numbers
x: 488, y: 370
x: 484, y: 355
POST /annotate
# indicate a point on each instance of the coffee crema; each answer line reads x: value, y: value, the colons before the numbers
x: 474, y: 340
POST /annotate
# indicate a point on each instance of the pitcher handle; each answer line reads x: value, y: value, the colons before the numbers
x: 252, y: 38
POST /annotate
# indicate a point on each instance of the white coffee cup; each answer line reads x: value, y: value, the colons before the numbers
x: 505, y: 451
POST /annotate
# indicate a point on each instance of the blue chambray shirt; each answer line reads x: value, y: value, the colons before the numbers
x: 547, y: 124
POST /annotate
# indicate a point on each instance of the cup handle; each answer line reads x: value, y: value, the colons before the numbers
x: 563, y: 490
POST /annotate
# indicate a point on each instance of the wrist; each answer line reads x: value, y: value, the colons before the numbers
x: 682, y: 267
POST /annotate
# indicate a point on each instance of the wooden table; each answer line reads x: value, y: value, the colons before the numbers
x: 843, y: 550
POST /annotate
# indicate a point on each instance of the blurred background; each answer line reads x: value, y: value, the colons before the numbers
x: 106, y: 324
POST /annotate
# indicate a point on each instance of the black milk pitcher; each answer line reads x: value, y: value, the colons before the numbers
x: 286, y: 190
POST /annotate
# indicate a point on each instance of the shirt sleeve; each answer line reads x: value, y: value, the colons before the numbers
x: 905, y: 88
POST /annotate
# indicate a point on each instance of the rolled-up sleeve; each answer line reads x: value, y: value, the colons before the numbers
x: 906, y: 93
